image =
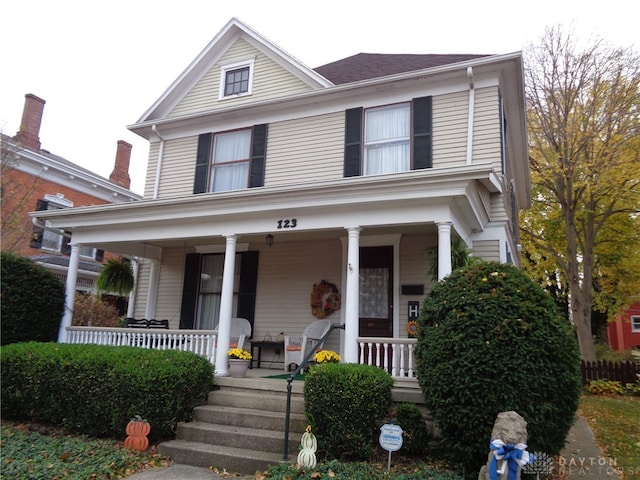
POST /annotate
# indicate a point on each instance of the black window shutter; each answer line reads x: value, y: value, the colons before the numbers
x: 99, y: 255
x: 36, y: 237
x: 258, y: 156
x: 202, y: 163
x: 422, y: 127
x: 190, y: 290
x: 353, y: 142
x: 248, y: 286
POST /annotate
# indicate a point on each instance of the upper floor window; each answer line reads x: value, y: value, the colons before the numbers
x: 52, y: 240
x: 388, y: 139
x: 236, y: 79
x: 230, y: 161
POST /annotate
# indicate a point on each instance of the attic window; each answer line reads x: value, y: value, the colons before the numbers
x: 236, y: 79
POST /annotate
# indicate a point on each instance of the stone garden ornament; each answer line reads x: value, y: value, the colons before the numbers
x: 508, y: 448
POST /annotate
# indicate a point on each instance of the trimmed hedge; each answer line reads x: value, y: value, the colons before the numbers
x: 491, y: 340
x: 32, y: 301
x: 345, y: 405
x: 95, y: 390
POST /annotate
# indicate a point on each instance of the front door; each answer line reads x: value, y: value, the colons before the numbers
x: 376, y: 292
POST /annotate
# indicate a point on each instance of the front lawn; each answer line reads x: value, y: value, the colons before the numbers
x: 615, y: 421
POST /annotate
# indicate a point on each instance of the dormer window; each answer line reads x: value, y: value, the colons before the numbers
x: 236, y: 79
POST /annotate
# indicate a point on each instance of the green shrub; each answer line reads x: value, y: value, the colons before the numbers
x: 490, y: 340
x: 415, y: 438
x: 32, y: 301
x: 352, y: 471
x: 89, y: 310
x: 345, y: 404
x: 95, y: 390
x: 609, y: 387
x: 605, y: 387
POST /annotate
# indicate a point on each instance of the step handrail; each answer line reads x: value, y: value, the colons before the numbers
x: 302, y: 365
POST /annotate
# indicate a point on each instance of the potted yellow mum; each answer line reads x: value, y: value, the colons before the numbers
x: 238, y: 362
x: 326, y: 356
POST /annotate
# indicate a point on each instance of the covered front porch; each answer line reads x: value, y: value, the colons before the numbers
x: 257, y: 254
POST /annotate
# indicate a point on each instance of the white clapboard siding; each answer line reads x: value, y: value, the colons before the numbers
x: 270, y: 80
x: 486, y: 130
x: 414, y: 270
x: 152, y: 164
x: 487, y: 250
x: 178, y: 167
x: 169, y: 300
x: 305, y: 150
x: 450, y: 114
x: 286, y: 275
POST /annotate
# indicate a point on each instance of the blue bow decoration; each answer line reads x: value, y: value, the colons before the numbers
x: 513, y: 457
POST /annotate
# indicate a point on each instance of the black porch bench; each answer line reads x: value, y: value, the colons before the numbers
x: 130, y: 322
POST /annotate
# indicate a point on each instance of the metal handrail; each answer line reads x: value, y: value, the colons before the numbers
x: 302, y: 365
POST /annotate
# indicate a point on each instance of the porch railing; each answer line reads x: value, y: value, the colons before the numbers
x: 395, y: 355
x: 201, y: 342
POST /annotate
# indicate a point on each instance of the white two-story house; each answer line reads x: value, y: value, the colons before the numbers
x: 266, y: 177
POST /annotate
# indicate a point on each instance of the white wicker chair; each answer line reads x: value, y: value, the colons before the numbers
x: 296, y: 348
x: 240, y: 331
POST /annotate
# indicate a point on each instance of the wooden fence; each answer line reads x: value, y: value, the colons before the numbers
x: 623, y: 372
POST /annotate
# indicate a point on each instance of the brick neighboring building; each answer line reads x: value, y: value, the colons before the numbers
x: 35, y: 179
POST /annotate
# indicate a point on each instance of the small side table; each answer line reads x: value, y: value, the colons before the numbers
x: 260, y: 344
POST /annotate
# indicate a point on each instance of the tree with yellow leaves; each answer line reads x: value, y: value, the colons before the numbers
x: 581, y: 234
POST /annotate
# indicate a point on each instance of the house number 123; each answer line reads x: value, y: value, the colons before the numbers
x: 288, y: 223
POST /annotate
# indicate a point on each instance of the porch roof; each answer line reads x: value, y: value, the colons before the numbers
x: 411, y: 198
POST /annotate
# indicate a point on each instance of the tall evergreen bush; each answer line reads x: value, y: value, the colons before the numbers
x: 32, y: 301
x: 490, y: 340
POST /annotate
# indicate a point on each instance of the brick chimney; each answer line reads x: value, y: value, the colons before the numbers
x: 120, y: 174
x: 29, y: 134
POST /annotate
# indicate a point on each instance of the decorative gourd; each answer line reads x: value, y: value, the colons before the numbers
x: 308, y: 446
x: 137, y: 430
x: 309, y: 440
x: 307, y: 458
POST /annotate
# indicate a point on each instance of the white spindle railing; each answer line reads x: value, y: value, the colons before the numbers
x: 395, y: 355
x: 201, y: 342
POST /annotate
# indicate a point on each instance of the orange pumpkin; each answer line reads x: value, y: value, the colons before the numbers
x: 137, y: 431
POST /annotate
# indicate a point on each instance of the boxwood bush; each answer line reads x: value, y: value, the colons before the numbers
x: 345, y: 405
x: 95, y: 390
x: 32, y: 301
x: 415, y: 436
x: 490, y: 340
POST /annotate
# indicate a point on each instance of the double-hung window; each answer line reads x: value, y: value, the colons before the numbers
x: 635, y: 324
x: 387, y: 137
x: 230, y: 161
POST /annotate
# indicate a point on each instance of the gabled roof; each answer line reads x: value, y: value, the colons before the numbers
x: 233, y: 30
x: 364, y: 66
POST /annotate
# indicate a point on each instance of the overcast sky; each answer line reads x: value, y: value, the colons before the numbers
x: 101, y: 65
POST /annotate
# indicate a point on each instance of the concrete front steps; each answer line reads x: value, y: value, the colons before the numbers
x: 241, y: 428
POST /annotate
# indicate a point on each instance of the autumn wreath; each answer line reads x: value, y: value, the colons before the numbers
x: 325, y: 299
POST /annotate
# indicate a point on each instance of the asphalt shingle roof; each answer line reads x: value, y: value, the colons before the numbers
x: 364, y: 66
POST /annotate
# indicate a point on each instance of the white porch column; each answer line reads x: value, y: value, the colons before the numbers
x: 70, y: 292
x: 352, y: 304
x: 131, y: 304
x: 444, y: 249
x: 226, y: 307
x: 152, y: 296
